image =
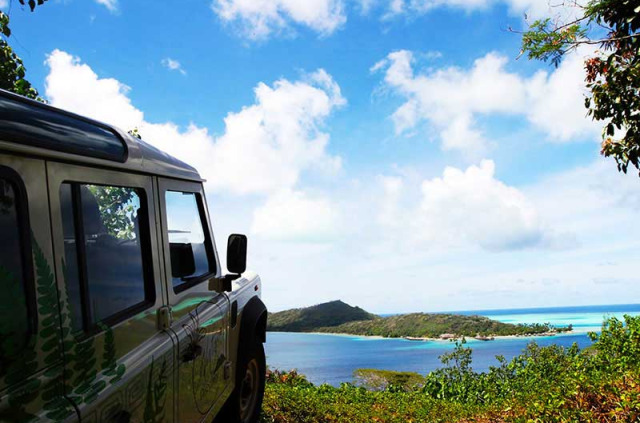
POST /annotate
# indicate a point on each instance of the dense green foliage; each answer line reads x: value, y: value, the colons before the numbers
x: 290, y: 398
x: 117, y: 210
x: 12, y: 70
x: 309, y: 319
x: 543, y: 384
x: 424, y: 325
x: 613, y: 73
x: 379, y: 380
x: 338, y: 317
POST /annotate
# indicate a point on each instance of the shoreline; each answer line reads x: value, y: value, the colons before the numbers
x: 425, y: 339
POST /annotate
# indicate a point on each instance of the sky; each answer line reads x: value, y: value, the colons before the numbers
x: 398, y: 155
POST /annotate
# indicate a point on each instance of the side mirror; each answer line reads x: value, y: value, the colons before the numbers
x: 237, y: 253
x: 183, y: 263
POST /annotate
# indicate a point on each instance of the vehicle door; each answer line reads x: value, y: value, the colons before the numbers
x: 31, y: 364
x: 118, y: 363
x: 200, y: 316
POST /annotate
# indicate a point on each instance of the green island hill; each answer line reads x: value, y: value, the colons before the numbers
x: 340, y: 318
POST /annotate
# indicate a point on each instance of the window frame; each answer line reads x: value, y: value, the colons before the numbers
x: 208, y: 243
x: 89, y: 327
x: 26, y: 252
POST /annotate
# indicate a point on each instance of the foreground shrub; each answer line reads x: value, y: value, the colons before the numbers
x: 543, y: 384
x: 285, y: 403
x: 380, y: 380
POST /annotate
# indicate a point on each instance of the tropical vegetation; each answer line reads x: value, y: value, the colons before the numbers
x: 542, y: 384
x: 612, y: 71
x: 309, y: 319
x: 433, y: 325
x: 339, y: 317
x: 12, y: 70
x: 379, y: 380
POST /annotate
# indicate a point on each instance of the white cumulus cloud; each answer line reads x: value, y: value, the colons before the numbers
x: 556, y: 101
x: 460, y: 209
x: 472, y: 205
x: 260, y: 19
x: 257, y: 19
x: 533, y: 8
x: 265, y: 146
x: 264, y: 149
x: 451, y: 99
x: 74, y: 86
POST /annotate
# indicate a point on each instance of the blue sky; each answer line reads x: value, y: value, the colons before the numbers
x: 390, y: 153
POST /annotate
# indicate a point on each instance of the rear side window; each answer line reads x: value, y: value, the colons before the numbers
x: 106, y: 246
x: 189, y: 240
x: 17, y: 317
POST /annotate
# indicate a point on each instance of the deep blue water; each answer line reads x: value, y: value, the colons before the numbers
x: 333, y: 358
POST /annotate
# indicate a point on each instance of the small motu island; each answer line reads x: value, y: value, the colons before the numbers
x: 337, y: 317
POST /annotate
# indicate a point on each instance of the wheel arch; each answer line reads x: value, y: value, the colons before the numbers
x: 253, y: 322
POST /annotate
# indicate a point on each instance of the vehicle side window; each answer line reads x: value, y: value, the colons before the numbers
x: 106, y: 250
x: 189, y: 239
x: 17, y: 315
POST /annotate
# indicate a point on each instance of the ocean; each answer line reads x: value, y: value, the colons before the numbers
x: 331, y: 359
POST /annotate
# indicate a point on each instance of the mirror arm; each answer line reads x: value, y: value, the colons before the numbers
x: 233, y: 276
x: 223, y: 283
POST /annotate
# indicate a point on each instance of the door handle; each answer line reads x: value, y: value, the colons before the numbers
x: 163, y: 316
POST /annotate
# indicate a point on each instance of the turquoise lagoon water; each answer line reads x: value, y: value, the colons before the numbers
x: 332, y: 359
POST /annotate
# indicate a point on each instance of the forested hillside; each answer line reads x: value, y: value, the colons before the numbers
x: 309, y: 319
x: 339, y: 317
x: 423, y: 325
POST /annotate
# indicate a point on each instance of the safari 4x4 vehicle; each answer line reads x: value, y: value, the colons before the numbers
x: 113, y: 307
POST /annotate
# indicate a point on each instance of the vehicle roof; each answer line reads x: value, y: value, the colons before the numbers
x: 37, y: 129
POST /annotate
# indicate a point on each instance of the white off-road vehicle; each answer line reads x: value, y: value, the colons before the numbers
x: 113, y: 305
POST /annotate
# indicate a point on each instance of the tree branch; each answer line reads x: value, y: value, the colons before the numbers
x: 606, y: 40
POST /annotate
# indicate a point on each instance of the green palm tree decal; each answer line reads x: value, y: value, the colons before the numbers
x: 47, y: 342
x: 55, y: 404
x: 22, y: 358
x: 156, y: 395
x: 110, y: 366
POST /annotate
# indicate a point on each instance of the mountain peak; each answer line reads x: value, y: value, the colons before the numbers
x: 332, y: 313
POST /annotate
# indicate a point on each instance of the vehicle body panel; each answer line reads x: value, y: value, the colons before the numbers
x: 133, y: 366
x: 200, y: 324
x: 32, y: 385
x: 135, y: 345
